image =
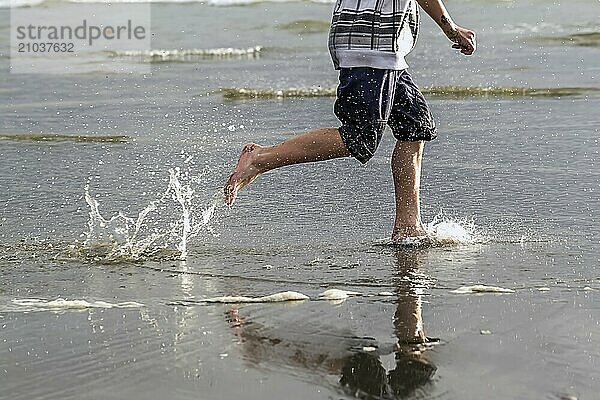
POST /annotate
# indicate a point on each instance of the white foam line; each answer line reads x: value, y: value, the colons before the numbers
x: 481, y: 289
x: 274, y: 298
x: 329, y: 295
x: 62, y: 304
x: 174, y: 54
x: 337, y: 294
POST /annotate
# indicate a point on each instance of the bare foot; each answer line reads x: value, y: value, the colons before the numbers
x: 244, y: 173
x: 410, y: 234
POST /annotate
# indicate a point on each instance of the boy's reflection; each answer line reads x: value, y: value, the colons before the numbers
x: 309, y: 344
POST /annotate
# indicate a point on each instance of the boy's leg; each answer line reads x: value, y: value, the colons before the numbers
x: 406, y: 171
x: 317, y: 145
x: 412, y: 124
x: 362, y: 104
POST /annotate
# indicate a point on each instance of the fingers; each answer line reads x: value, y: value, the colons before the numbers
x: 466, y: 46
x: 230, y: 194
x: 472, y: 42
x: 464, y: 40
x: 465, y: 49
x: 469, y: 49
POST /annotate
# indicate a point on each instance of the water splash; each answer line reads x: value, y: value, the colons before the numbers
x: 444, y: 231
x: 441, y: 231
x: 158, y: 231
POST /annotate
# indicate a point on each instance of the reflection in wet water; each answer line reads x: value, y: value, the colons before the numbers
x: 311, y: 346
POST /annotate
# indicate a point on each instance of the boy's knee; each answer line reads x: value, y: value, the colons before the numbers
x: 362, y: 140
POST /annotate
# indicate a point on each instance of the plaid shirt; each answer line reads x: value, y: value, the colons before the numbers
x: 373, y: 33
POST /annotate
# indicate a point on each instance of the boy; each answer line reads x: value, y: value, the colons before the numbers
x: 368, y: 40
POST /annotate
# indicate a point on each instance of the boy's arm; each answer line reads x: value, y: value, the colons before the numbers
x: 463, y: 39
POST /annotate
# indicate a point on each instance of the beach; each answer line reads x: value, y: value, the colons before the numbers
x: 119, y: 260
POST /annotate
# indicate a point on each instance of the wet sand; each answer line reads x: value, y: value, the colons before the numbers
x: 422, y: 341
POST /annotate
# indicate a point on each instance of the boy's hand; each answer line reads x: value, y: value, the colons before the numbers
x: 463, y: 39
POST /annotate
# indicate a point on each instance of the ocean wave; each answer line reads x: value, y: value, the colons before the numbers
x: 58, y: 137
x: 460, y: 92
x: 589, y: 39
x: 30, y: 3
x: 222, y: 3
x: 254, y: 93
x: 132, y: 1
x: 524, y: 27
x: 249, y: 2
x: 306, y: 26
x: 183, y: 55
x: 20, y: 3
x: 441, y: 92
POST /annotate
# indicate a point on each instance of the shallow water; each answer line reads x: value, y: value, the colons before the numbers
x: 519, y: 168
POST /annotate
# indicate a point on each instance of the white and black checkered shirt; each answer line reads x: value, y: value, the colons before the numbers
x: 373, y: 33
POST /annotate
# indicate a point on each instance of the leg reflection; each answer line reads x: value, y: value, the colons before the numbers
x: 363, y: 374
x: 319, y: 339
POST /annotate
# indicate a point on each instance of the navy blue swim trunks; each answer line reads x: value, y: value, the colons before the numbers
x: 369, y: 98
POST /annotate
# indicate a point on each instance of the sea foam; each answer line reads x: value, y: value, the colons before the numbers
x: 173, y: 55
x: 20, y: 3
x: 273, y: 298
x: 63, y: 304
x: 337, y: 294
x: 61, y: 137
x: 481, y: 289
x: 439, y: 92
